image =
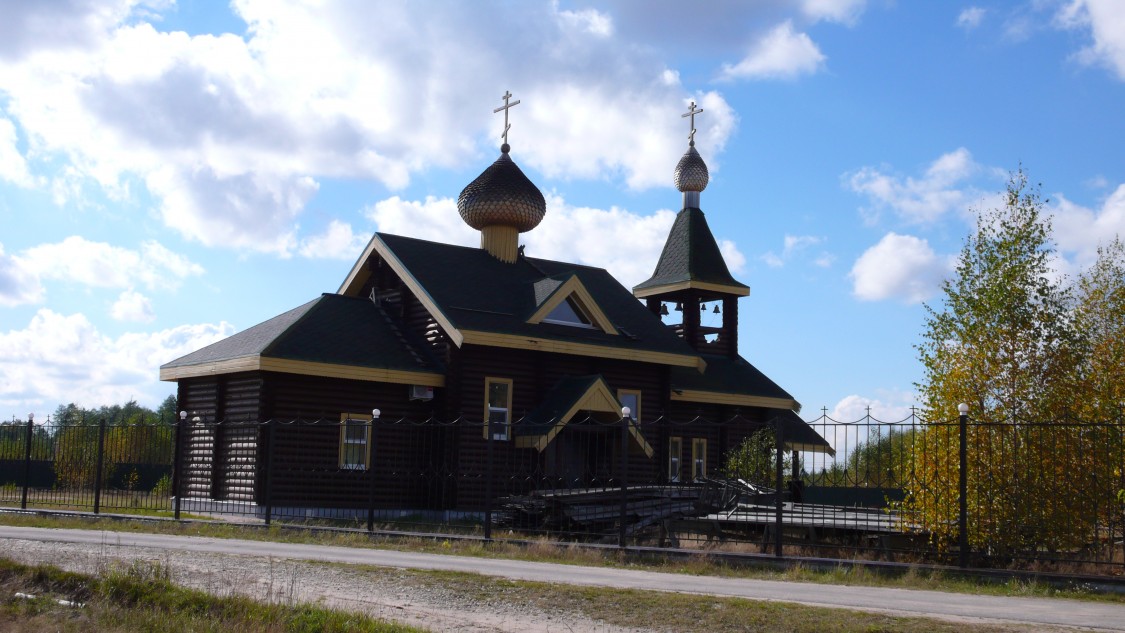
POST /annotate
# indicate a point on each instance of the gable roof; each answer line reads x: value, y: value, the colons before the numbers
x: 732, y: 381
x: 331, y: 335
x: 478, y: 299
x: 569, y: 396
x: 691, y: 259
x: 556, y: 291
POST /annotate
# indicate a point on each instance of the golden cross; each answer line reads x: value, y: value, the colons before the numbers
x: 507, y: 126
x: 692, y: 111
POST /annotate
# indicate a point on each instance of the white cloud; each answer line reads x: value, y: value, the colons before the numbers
x: 132, y: 306
x: 19, y: 284
x: 794, y: 244
x: 780, y: 54
x: 628, y: 245
x: 919, y: 200
x: 13, y: 167
x: 232, y: 134
x: 1106, y: 23
x: 1079, y: 230
x: 900, y: 267
x: 970, y: 18
x: 59, y: 359
x: 895, y: 407
x: 101, y: 265
x: 842, y: 11
x: 337, y: 242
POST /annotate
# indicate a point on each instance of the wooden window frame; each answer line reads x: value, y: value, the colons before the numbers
x: 344, y: 419
x: 636, y: 413
x: 675, y: 457
x: 698, y: 454
x: 507, y: 435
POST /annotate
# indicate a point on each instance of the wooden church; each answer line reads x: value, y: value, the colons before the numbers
x: 483, y: 351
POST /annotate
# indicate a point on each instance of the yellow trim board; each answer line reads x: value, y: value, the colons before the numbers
x: 304, y: 368
x: 359, y: 274
x: 810, y: 448
x: 574, y: 287
x: 512, y: 341
x: 597, y: 398
x: 736, y: 399
x: 739, y: 291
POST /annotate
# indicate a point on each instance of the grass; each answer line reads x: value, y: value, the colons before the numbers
x: 141, y: 598
x: 543, y: 551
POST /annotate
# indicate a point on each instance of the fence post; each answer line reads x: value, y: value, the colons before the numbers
x: 27, y: 460
x: 625, y: 419
x: 490, y: 471
x: 371, y: 454
x: 269, y: 470
x: 178, y: 464
x: 779, y: 449
x: 100, y: 466
x: 963, y: 485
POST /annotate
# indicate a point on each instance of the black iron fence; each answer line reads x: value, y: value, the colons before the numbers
x: 1010, y: 494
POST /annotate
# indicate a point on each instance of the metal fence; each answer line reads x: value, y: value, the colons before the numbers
x: 1043, y: 496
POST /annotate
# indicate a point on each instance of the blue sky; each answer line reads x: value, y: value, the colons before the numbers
x: 174, y: 172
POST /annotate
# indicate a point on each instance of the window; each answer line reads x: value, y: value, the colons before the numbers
x: 355, y: 441
x: 698, y: 458
x: 631, y: 398
x: 675, y: 454
x: 568, y: 312
x: 497, y: 407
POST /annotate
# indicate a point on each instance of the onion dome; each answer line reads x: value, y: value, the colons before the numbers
x: 691, y: 171
x: 502, y: 196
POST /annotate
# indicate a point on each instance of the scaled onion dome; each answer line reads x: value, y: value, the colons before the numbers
x: 502, y: 196
x: 691, y: 171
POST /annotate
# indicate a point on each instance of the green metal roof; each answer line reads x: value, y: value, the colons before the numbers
x: 690, y: 254
x: 476, y: 291
x: 330, y: 329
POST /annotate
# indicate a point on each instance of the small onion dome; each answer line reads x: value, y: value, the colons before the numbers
x: 691, y: 171
x: 502, y: 196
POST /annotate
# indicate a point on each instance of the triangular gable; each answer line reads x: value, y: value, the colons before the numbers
x: 361, y: 271
x: 570, y: 290
x: 567, y: 398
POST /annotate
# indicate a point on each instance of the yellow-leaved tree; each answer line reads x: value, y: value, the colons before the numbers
x: 1002, y: 341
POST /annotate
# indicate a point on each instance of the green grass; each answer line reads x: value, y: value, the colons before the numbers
x: 543, y: 551
x: 141, y: 599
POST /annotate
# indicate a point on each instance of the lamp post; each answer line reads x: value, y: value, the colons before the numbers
x: 626, y: 417
x: 375, y: 413
x: 27, y: 460
x: 963, y: 485
x: 178, y: 464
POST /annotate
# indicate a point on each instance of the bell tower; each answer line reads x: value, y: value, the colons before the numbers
x: 692, y: 275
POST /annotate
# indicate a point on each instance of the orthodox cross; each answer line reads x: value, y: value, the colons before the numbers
x: 507, y: 126
x: 692, y: 111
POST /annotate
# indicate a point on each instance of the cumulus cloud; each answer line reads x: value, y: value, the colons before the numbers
x: 794, y: 244
x: 1106, y: 23
x: 102, y: 265
x: 1079, y: 230
x: 627, y: 244
x: 133, y: 306
x: 780, y: 54
x: 233, y: 134
x: 338, y: 241
x: 941, y: 189
x: 19, y: 284
x: 901, y: 267
x: 842, y: 11
x: 970, y: 18
x: 58, y: 359
x: 13, y: 167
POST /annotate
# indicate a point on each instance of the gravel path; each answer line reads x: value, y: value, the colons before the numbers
x: 389, y: 594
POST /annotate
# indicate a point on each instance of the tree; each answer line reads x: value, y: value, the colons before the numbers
x: 1004, y: 342
x: 754, y: 460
